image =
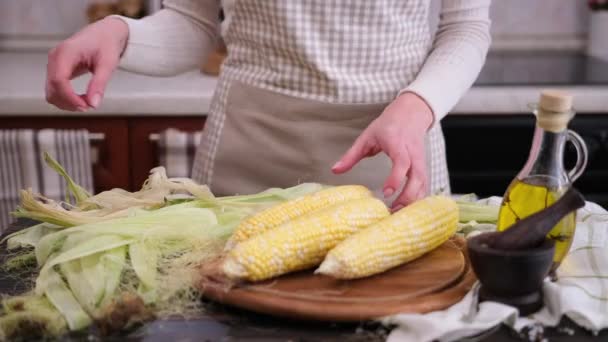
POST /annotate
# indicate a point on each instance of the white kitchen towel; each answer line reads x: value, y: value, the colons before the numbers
x: 176, y: 151
x: 22, y: 165
x: 580, y: 293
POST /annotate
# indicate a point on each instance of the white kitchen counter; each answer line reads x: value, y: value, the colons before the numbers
x: 515, y: 99
x: 22, y: 77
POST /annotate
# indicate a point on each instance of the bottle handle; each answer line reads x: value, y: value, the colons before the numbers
x: 581, y: 155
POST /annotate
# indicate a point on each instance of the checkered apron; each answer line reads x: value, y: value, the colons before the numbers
x: 327, y: 51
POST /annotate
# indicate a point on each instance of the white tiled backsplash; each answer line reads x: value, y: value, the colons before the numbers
x: 516, y: 23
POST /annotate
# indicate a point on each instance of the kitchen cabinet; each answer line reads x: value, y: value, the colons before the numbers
x: 144, y: 150
x: 126, y: 153
x: 109, y: 170
x: 485, y: 152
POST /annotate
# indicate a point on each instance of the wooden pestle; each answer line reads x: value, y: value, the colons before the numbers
x: 531, y: 231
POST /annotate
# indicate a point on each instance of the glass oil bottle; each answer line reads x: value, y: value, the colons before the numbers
x: 543, y: 179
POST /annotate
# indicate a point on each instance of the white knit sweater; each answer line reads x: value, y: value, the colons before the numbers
x: 178, y: 37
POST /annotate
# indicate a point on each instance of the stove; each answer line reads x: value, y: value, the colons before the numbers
x: 553, y: 68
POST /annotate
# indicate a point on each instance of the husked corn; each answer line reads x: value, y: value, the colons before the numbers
x: 404, y: 236
x: 301, y: 243
x: 286, y: 211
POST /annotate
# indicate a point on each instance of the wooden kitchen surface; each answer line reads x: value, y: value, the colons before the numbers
x: 433, y: 282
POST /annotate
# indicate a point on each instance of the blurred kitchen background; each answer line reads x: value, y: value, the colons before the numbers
x: 516, y: 24
x: 145, y: 122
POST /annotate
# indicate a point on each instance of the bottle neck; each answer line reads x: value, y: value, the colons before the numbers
x: 546, y: 156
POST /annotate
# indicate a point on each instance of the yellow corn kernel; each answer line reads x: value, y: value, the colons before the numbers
x: 286, y: 211
x: 301, y: 243
x: 404, y: 236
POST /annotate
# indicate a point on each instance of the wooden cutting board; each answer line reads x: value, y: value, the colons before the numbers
x: 433, y: 282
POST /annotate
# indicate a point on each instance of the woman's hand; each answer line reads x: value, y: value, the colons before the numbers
x: 399, y: 132
x: 96, y: 48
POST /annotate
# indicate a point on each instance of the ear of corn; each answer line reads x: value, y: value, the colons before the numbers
x: 301, y: 243
x: 402, y: 237
x: 286, y: 211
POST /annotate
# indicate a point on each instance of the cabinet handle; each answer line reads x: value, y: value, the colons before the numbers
x: 154, y: 137
x: 97, y: 137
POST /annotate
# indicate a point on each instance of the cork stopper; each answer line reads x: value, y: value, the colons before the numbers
x: 554, y: 110
x: 555, y: 101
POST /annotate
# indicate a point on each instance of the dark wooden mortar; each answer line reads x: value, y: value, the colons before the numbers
x: 512, y: 265
x: 511, y: 277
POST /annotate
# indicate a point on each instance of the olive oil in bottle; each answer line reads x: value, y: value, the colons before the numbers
x: 543, y: 179
x: 524, y: 198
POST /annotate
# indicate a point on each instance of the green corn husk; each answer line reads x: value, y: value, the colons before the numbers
x: 482, y: 213
x: 144, y: 260
x: 473, y: 210
x: 28, y: 237
x: 146, y: 246
x: 129, y: 227
x: 113, y: 263
x: 79, y: 193
x: 156, y: 193
x: 63, y: 299
x: 39, y: 208
x: 108, y: 204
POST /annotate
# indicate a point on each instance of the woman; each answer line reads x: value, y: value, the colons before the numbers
x: 305, y: 84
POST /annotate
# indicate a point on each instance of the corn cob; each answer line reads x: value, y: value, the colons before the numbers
x: 301, y: 243
x: 404, y: 236
x: 286, y: 211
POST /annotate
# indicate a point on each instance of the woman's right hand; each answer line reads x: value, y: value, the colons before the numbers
x: 96, y: 49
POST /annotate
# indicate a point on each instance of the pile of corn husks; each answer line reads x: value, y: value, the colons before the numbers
x: 118, y: 258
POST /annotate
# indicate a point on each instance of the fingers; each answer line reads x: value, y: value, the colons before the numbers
x: 401, y: 165
x: 360, y: 149
x: 415, y: 187
x: 59, y: 91
x: 101, y: 75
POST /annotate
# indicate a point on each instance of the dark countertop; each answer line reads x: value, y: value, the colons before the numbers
x: 221, y: 323
x: 552, y: 68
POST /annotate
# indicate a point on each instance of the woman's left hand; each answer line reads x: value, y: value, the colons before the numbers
x: 399, y: 132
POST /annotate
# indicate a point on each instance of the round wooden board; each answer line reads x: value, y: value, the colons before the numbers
x: 433, y: 282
